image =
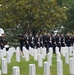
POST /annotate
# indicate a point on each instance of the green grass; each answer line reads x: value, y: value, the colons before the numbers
x: 24, y: 66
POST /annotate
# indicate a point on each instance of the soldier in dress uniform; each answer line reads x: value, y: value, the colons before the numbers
x: 53, y: 42
x: 41, y: 40
x: 45, y: 41
x: 37, y: 41
x: 62, y: 40
x: 26, y: 41
x: 21, y: 41
x: 68, y: 40
x: 31, y: 41
x: 49, y: 41
x: 72, y: 39
x: 58, y: 41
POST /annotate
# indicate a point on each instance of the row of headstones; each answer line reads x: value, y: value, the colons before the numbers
x: 68, y: 60
x: 32, y: 69
x: 40, y: 61
x: 40, y: 50
x: 33, y: 52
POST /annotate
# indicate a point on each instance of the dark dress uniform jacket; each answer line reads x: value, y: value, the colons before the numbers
x: 49, y: 40
x: 37, y: 42
x: 62, y: 41
x: 21, y: 40
x: 26, y: 42
x: 31, y: 41
x: 45, y: 40
x: 68, y: 41
x: 3, y: 42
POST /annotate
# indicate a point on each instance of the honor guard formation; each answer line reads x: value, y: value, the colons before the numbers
x: 46, y: 40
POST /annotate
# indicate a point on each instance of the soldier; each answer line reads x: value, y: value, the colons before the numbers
x: 45, y: 41
x: 26, y: 41
x: 62, y: 40
x: 53, y: 42
x: 58, y: 41
x: 72, y: 39
x: 49, y: 39
x: 21, y: 40
x: 68, y: 40
x: 37, y: 41
x: 31, y: 41
x: 41, y: 40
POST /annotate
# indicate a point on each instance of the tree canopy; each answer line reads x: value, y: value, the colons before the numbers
x: 35, y: 15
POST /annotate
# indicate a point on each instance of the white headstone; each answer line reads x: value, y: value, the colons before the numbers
x: 4, y: 66
x: 1, y: 53
x: 35, y: 54
x: 66, y: 57
x: 51, y: 51
x: 57, y: 49
x: 63, y: 50
x: 32, y: 69
x: 58, y: 56
x: 8, y: 57
x: 59, y: 67
x: 38, y: 50
x: 40, y: 60
x: 30, y: 50
x: 43, y: 53
x: 71, y: 65
x: 18, y: 55
x: 46, y: 69
x: 15, y: 70
x: 49, y: 59
x: 70, y: 50
x: 27, y: 55
x: 4, y: 51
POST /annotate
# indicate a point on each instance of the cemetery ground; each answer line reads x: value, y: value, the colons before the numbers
x: 24, y: 66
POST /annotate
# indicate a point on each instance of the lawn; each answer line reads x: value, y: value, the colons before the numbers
x: 24, y: 66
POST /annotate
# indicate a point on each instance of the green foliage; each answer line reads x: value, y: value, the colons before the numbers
x: 31, y: 14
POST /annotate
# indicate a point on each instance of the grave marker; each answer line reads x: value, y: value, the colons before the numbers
x: 46, y: 69
x: 15, y: 70
x: 32, y: 69
x: 40, y: 60
x: 4, y: 66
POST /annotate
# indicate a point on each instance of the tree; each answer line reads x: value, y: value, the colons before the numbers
x: 32, y: 15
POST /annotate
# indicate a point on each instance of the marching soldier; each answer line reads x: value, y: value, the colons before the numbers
x: 31, y: 40
x: 53, y: 42
x: 21, y: 41
x: 49, y: 40
x: 26, y: 41
x: 58, y: 41
x: 37, y: 41
x: 45, y: 41
x: 68, y: 40
x: 41, y: 40
x: 62, y: 40
x: 72, y: 39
